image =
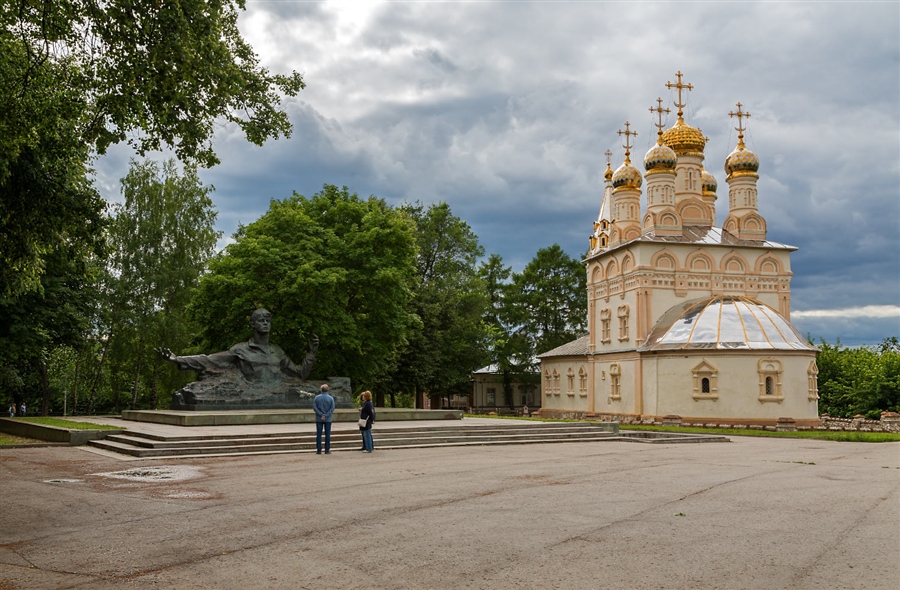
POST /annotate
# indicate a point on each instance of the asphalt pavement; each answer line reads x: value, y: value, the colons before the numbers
x: 752, y: 513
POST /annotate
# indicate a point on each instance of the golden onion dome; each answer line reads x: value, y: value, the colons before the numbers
x: 608, y: 175
x: 660, y: 158
x: 708, y: 182
x: 626, y: 176
x: 741, y: 162
x: 684, y: 139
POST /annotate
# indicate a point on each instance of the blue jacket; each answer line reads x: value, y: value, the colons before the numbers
x: 323, y: 405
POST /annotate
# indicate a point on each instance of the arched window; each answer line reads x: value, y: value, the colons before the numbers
x: 770, y: 376
x: 706, y: 378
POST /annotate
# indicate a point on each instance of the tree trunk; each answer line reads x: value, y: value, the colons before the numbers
x: 134, y: 383
x: 97, y: 377
x: 379, y: 399
x: 393, y: 399
x: 45, y: 389
x: 114, y: 391
x: 75, y: 389
x: 420, y: 397
x: 154, y: 376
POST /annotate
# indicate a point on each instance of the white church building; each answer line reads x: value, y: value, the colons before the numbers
x: 685, y: 318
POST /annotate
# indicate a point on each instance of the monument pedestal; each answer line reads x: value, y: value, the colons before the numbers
x: 276, y: 416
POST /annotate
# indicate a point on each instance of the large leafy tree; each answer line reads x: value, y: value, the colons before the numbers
x: 451, y: 339
x: 77, y: 76
x: 162, y: 237
x: 510, y: 349
x: 863, y: 380
x: 547, y: 302
x: 334, y: 265
x: 35, y: 324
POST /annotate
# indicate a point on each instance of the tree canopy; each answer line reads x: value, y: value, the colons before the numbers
x: 334, y: 265
x: 450, y: 339
x: 77, y: 76
x: 547, y: 300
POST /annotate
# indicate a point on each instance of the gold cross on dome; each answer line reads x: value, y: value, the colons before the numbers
x: 740, y: 117
x: 679, y: 86
x: 628, y: 133
x: 659, y: 114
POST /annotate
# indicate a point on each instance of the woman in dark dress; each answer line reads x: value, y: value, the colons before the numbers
x: 367, y: 413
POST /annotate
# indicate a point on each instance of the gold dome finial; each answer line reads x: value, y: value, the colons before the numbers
x: 740, y: 128
x: 627, y: 176
x: 609, y: 173
x: 659, y: 113
x: 741, y: 162
x: 628, y: 133
x: 679, y: 86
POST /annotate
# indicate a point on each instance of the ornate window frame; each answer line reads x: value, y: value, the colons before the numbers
x: 812, y: 374
x: 605, y: 315
x: 706, y: 381
x: 623, y: 312
x: 555, y: 386
x: 582, y: 381
x: 615, y: 382
x: 770, y: 372
x: 570, y: 381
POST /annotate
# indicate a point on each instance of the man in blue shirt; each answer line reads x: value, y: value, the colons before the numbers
x: 323, y: 406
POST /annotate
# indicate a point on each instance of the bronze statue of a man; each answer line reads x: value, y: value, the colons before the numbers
x: 258, y: 360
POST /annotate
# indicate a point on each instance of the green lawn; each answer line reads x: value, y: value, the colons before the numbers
x: 842, y: 436
x: 9, y: 439
x: 70, y: 424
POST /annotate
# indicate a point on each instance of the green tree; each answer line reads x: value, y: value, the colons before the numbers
x: 77, y: 76
x: 547, y: 302
x: 36, y: 323
x: 162, y: 237
x: 509, y: 350
x: 451, y: 340
x: 863, y: 380
x: 333, y: 265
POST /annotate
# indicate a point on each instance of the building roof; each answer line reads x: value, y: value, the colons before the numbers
x: 577, y: 347
x: 724, y: 323
x: 495, y: 368
x: 703, y: 235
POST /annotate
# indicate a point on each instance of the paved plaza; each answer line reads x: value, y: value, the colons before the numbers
x: 752, y: 513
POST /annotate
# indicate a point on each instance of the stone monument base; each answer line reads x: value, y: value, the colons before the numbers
x: 236, y: 417
x: 228, y: 390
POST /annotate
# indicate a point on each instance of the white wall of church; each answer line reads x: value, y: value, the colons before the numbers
x: 737, y: 386
x: 638, y: 284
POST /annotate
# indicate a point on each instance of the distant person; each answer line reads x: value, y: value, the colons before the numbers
x: 22, y: 410
x: 367, y: 414
x: 323, y: 406
x: 12, y: 410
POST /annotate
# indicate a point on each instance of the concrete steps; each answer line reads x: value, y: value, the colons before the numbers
x: 137, y: 444
x: 146, y: 445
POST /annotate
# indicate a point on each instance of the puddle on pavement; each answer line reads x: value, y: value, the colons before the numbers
x: 155, y: 474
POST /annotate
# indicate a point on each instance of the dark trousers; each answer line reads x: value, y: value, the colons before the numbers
x: 320, y: 426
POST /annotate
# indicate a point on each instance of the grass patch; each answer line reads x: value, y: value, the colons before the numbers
x: 500, y: 417
x: 69, y: 424
x: 9, y: 439
x: 840, y: 436
x: 835, y: 435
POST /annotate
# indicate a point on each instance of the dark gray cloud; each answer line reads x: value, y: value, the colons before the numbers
x: 504, y: 111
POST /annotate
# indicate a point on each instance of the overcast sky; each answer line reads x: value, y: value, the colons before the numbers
x: 504, y: 111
